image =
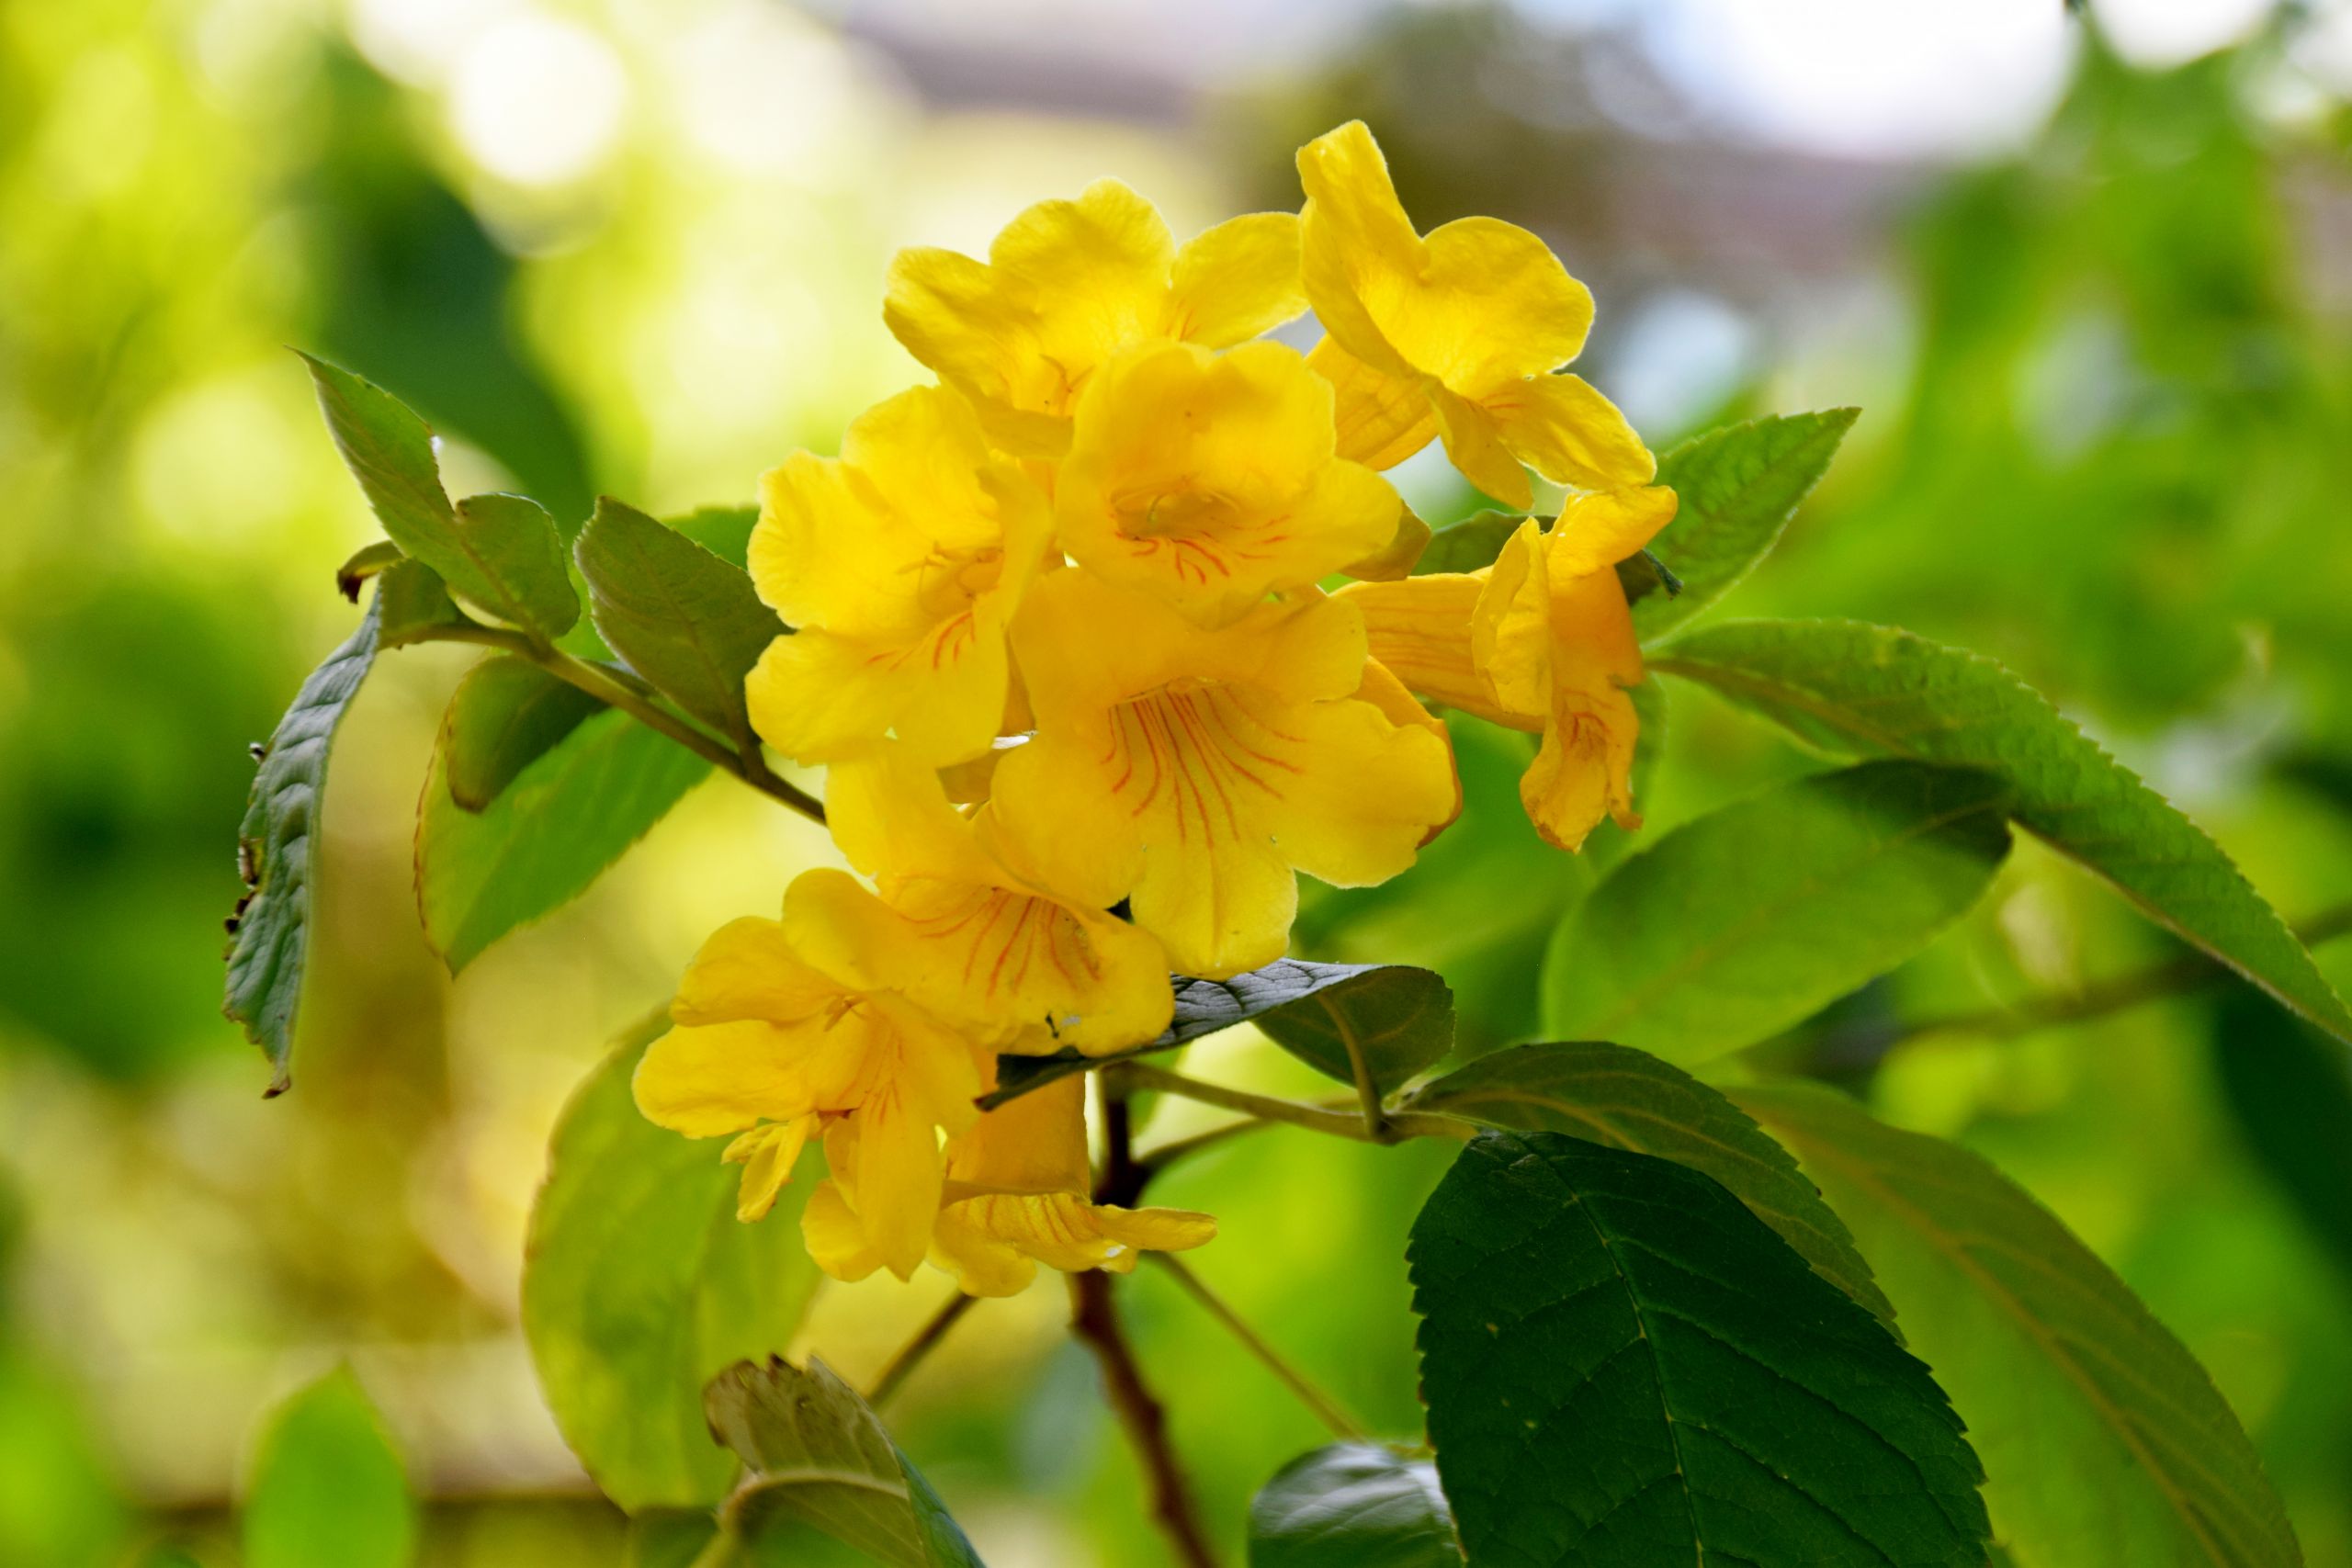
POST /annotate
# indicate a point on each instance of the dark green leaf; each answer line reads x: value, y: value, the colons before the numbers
x: 1749, y: 920
x: 2105, y: 1444
x: 279, y: 845
x: 639, y: 1284
x: 327, y: 1485
x: 565, y: 817
x: 1401, y: 1018
x: 1642, y: 574
x: 412, y: 606
x: 1468, y: 545
x: 506, y: 714
x: 1625, y: 1366
x: 1203, y: 1007
x: 816, y: 1453
x: 685, y: 620
x: 1353, y: 1505
x: 1862, y: 691
x: 1737, y: 487
x: 724, y: 531
x: 2290, y: 1090
x: 501, y: 551
x: 1630, y: 1099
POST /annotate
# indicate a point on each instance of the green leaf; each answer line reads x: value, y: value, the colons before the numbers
x: 1862, y: 691
x: 365, y: 563
x: 1623, y: 1366
x: 816, y: 1453
x: 1642, y: 574
x: 279, y: 847
x: 1752, y: 918
x: 501, y: 551
x: 1353, y: 1505
x: 506, y: 714
x: 2103, y: 1442
x: 2290, y: 1087
x: 1629, y: 1100
x: 639, y: 1284
x: 413, y: 605
x: 327, y: 1485
x: 685, y: 620
x: 1468, y: 545
x: 724, y: 531
x: 571, y: 813
x: 1401, y: 1018
x: 1739, y: 486
x: 1409, y: 1000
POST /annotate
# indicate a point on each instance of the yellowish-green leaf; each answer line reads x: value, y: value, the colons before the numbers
x: 2105, y: 1444
x: 1751, y: 918
x: 639, y: 1284
x: 1857, y: 689
x: 1353, y: 1505
x: 328, y: 1487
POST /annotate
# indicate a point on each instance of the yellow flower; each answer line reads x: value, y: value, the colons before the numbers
x: 1455, y: 333
x: 987, y: 945
x: 1190, y: 770
x: 1068, y: 284
x: 783, y: 1021
x: 1016, y: 1197
x: 1541, y: 640
x: 900, y: 562
x: 1208, y: 479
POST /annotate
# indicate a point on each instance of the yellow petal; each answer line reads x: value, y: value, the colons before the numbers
x: 1236, y: 280
x: 1419, y: 629
x: 747, y: 969
x: 1380, y: 419
x: 1493, y: 304
x: 1366, y: 794
x: 1564, y: 429
x: 897, y: 1176
x: 1359, y: 254
x: 1156, y: 1230
x: 1208, y: 480
x: 834, y: 1236
x: 1510, y: 630
x: 1066, y: 285
x: 891, y: 817
x: 818, y: 698
x: 1065, y: 1231
x: 1584, y: 769
x: 1033, y: 1144
x: 1474, y: 442
x: 1384, y: 691
x: 983, y: 1265
x: 1596, y: 531
x: 721, y: 1078
x: 767, y: 1155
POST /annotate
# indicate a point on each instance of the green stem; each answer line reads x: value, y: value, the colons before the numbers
x: 1375, y: 1121
x: 912, y: 1354
x: 618, y: 689
x: 1327, y: 1410
x: 1339, y: 1124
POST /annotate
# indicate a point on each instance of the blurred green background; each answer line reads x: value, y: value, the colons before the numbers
x: 2087, y: 277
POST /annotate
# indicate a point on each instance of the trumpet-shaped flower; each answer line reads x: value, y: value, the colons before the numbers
x: 1208, y: 479
x: 900, y: 562
x: 1190, y: 770
x: 1067, y: 285
x: 1453, y: 333
x: 997, y: 952
x: 1016, y: 1197
x: 789, y: 1022
x: 1541, y: 640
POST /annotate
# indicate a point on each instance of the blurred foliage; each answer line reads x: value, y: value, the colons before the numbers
x: 2113, y: 455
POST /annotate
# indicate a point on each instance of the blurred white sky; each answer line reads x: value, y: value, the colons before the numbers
x: 1868, y: 78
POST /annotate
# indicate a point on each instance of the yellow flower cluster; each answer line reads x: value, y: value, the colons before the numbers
x: 1086, y: 710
